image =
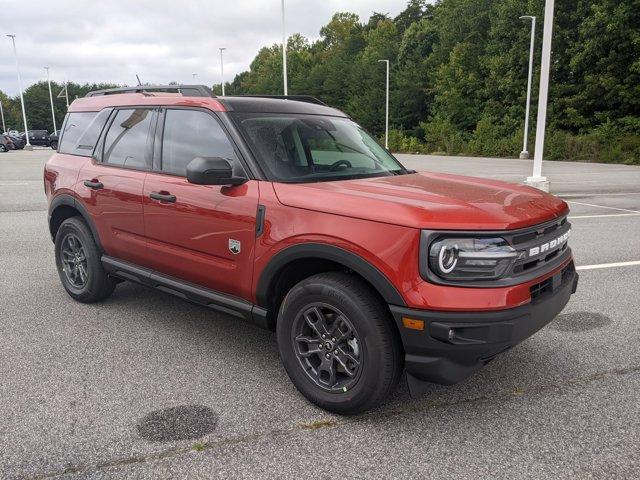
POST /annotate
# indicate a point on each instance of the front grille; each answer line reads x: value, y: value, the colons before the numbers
x: 536, y: 236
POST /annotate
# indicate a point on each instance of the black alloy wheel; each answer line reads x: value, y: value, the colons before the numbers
x: 74, y: 260
x: 79, y: 262
x: 338, y: 343
x: 327, y: 346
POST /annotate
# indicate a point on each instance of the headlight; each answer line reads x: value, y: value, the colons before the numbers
x: 470, y: 258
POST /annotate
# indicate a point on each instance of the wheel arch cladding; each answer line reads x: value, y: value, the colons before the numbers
x: 320, y: 257
x: 65, y: 206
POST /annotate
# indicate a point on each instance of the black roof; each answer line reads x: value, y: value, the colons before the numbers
x: 275, y: 104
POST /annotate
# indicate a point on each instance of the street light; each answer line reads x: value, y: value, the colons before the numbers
x: 4, y: 127
x: 222, y: 49
x: 536, y: 179
x: 24, y: 114
x: 53, y: 113
x: 525, y: 152
x: 194, y: 75
x: 284, y: 53
x: 386, y: 121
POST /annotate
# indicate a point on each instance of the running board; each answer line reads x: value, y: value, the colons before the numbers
x: 188, y: 291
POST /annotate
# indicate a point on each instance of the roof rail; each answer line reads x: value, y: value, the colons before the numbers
x: 185, y: 90
x: 298, y: 98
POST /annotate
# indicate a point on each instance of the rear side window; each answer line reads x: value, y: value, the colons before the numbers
x: 126, y: 143
x: 81, y: 132
x: 189, y: 134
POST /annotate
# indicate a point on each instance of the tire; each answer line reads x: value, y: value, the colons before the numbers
x: 54, y: 145
x: 3, y: 147
x: 338, y: 299
x: 92, y: 286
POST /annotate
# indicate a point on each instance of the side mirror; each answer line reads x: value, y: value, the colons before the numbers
x: 212, y: 171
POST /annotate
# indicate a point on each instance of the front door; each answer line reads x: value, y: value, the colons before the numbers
x: 203, y: 234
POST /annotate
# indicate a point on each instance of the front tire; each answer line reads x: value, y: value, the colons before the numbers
x: 54, y: 145
x: 338, y: 344
x: 79, y: 263
x: 3, y: 147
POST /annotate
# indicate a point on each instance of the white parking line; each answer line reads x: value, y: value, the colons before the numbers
x: 572, y: 217
x: 608, y: 265
x: 586, y: 194
x: 602, y: 206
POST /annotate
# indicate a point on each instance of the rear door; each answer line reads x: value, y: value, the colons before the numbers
x: 112, y: 183
x: 203, y: 234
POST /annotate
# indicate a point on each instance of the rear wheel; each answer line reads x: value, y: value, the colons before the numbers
x: 338, y: 344
x: 79, y: 264
x: 54, y: 144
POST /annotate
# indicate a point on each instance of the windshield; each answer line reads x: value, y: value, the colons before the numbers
x: 312, y: 148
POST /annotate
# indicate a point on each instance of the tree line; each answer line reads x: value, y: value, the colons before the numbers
x: 458, y: 77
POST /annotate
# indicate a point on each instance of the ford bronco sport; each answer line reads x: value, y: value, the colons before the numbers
x: 282, y: 211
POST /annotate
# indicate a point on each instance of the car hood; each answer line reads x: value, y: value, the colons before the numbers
x: 428, y: 200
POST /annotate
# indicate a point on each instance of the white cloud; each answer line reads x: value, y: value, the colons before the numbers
x: 161, y: 40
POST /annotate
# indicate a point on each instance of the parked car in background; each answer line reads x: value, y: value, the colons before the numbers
x: 39, y: 137
x: 53, y: 139
x: 18, y: 141
x: 6, y: 144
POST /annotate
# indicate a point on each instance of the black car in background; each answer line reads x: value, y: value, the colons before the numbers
x: 53, y: 139
x: 38, y: 137
x: 18, y: 141
x: 6, y: 144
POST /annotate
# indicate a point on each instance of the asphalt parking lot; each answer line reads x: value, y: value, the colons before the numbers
x: 85, y: 389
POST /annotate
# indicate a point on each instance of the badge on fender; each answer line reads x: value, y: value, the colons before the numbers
x: 234, y: 246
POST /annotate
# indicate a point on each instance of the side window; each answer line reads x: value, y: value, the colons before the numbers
x: 126, y: 141
x: 81, y: 131
x: 189, y: 134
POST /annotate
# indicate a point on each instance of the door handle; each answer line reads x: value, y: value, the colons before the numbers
x: 163, y: 197
x: 93, y: 185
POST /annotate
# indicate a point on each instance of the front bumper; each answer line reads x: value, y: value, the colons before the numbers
x: 453, y: 345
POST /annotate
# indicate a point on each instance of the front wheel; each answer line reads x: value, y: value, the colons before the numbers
x: 54, y: 144
x: 338, y: 344
x: 3, y: 147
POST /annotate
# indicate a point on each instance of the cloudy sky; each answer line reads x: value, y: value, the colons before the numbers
x: 161, y: 40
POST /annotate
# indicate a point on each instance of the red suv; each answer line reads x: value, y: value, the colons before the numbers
x: 284, y: 212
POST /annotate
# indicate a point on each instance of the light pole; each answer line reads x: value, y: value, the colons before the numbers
x: 284, y: 53
x: 536, y: 179
x: 386, y: 120
x: 53, y: 113
x: 4, y: 127
x: 194, y: 75
x: 525, y: 152
x: 24, y: 114
x: 222, y: 49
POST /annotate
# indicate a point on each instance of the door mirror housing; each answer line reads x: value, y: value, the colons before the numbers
x: 212, y: 171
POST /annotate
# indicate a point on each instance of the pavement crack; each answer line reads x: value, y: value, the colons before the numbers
x: 322, y: 423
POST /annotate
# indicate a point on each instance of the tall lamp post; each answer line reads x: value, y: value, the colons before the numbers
x: 24, y: 114
x: 284, y: 53
x: 4, y: 127
x: 536, y: 179
x: 53, y: 112
x: 386, y: 117
x: 525, y: 152
x: 222, y: 49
